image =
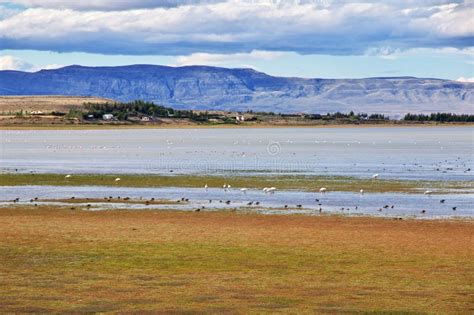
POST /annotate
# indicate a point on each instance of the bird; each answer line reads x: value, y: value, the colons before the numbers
x: 67, y: 176
x: 271, y: 190
x: 428, y: 192
x: 244, y: 190
x: 361, y: 191
x: 442, y: 200
x: 117, y: 179
x: 197, y: 210
x: 323, y: 190
x: 375, y: 176
x: 205, y: 187
x: 423, y: 211
x: 299, y: 206
x: 454, y: 208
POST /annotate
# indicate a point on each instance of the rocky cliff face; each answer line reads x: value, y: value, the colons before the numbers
x: 200, y: 87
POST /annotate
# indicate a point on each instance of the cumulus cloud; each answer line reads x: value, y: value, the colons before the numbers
x: 13, y: 63
x: 230, y: 27
x: 241, y: 59
x: 463, y: 79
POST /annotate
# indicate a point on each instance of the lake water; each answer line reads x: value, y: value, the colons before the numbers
x: 405, y: 205
x: 436, y: 153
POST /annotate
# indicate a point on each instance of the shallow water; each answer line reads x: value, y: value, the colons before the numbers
x: 405, y: 205
x: 437, y: 153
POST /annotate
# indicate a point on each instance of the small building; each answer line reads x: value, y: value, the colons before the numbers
x: 240, y: 118
x: 36, y: 112
x: 107, y: 117
x: 145, y: 118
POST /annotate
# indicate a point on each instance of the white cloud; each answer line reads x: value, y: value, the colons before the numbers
x: 46, y: 67
x: 305, y: 26
x: 463, y: 79
x: 241, y: 59
x: 104, y: 4
x: 13, y: 63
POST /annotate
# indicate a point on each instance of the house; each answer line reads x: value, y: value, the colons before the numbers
x: 36, y: 112
x: 107, y: 117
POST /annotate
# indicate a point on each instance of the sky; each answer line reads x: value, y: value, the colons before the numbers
x: 300, y: 38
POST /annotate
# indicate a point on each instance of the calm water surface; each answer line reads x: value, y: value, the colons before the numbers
x: 438, y: 153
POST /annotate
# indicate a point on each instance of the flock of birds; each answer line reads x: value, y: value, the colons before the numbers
x: 267, y: 190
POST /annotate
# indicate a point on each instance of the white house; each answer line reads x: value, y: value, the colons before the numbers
x: 107, y: 117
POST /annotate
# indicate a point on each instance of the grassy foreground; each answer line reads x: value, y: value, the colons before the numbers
x: 300, y: 182
x: 57, y: 260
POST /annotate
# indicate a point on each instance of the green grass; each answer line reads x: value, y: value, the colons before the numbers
x: 281, y: 182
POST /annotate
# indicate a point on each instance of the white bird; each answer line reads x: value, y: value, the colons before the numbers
x: 67, y: 176
x: 205, y: 187
x: 271, y: 190
x: 428, y: 192
x: 117, y: 179
x: 361, y: 191
x: 244, y: 190
x: 265, y: 189
x: 322, y: 190
x: 375, y: 176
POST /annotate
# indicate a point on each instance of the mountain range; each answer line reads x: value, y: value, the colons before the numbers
x: 214, y: 88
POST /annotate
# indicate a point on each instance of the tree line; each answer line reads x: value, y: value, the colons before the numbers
x: 440, y: 117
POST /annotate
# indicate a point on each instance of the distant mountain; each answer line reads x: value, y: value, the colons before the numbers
x: 201, y: 87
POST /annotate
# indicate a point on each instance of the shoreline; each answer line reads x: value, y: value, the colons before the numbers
x: 81, y: 205
x: 224, y: 126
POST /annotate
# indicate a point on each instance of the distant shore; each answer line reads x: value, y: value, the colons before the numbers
x: 83, y: 126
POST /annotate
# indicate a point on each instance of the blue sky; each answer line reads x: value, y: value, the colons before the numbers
x: 306, y: 38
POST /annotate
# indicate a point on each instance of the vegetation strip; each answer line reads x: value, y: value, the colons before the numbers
x: 281, y: 182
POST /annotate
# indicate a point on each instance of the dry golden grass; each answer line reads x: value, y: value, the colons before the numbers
x: 45, y: 104
x: 57, y: 260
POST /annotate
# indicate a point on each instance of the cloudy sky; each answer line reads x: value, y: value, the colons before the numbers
x: 307, y: 38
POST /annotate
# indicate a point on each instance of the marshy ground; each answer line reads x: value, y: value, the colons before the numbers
x: 53, y: 259
x: 298, y: 182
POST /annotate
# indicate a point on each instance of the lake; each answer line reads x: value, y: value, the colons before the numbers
x: 434, y: 153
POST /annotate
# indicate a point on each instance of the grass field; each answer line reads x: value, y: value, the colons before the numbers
x: 57, y: 260
x: 45, y: 103
x: 300, y: 182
